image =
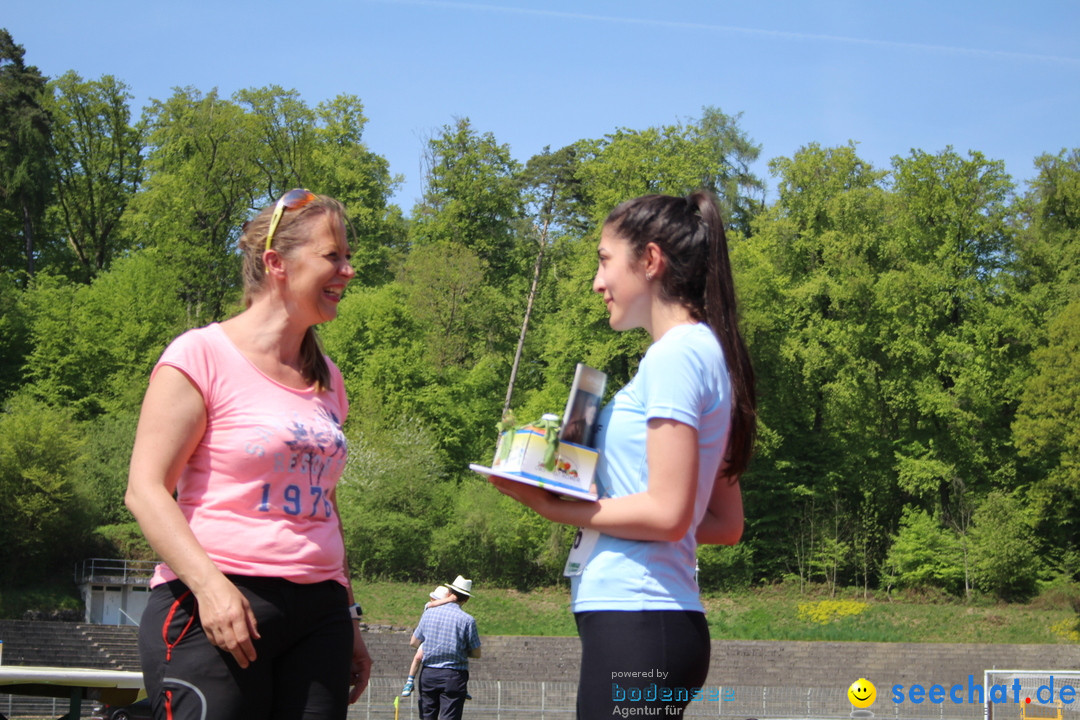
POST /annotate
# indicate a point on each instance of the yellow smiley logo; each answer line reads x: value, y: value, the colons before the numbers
x: 862, y: 693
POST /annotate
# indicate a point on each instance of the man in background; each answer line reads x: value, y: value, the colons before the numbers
x: 450, y: 638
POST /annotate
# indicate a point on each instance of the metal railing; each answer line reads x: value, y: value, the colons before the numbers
x: 114, y: 571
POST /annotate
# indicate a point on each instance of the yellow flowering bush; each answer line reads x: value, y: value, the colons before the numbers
x: 827, y: 611
x: 1066, y: 629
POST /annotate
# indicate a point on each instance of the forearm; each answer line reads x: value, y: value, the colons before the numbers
x: 345, y: 548
x: 724, y: 520
x: 170, y: 535
x: 642, y: 516
x: 715, y: 530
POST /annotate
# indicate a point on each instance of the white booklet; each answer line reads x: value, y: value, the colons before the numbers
x: 583, y: 406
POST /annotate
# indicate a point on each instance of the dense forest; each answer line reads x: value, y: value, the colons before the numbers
x: 915, y: 331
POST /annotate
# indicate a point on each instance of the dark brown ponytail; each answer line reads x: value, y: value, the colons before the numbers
x: 721, y: 313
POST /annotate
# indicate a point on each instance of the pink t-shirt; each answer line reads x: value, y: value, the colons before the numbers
x: 256, y: 491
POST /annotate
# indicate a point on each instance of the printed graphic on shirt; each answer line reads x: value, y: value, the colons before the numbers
x: 307, y: 467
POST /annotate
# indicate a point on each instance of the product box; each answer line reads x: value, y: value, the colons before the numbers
x: 574, y: 464
x: 572, y: 435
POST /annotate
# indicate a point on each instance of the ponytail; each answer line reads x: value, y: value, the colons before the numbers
x: 721, y: 314
x: 313, y: 361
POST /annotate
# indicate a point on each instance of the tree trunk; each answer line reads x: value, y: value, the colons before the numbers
x: 528, y: 312
x: 28, y: 235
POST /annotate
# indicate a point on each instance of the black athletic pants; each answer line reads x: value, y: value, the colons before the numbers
x: 303, y: 655
x: 652, y: 659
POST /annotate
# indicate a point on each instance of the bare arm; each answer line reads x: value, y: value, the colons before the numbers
x: 360, y: 671
x: 664, y: 511
x: 723, y: 522
x: 171, y: 424
x: 437, y: 603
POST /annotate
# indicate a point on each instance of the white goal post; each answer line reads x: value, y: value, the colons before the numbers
x: 1031, y: 694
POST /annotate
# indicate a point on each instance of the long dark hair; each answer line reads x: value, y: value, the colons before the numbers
x: 690, y: 234
x: 293, y: 231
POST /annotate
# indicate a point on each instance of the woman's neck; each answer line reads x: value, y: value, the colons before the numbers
x: 265, y: 332
x: 666, y: 315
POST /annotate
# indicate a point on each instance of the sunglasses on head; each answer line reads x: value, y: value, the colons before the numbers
x: 292, y: 200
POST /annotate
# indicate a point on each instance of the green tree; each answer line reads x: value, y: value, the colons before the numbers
x: 102, y: 471
x: 712, y: 153
x: 1048, y: 239
x: 94, y: 346
x: 282, y: 123
x: 924, y: 555
x: 806, y: 279
x: 202, y: 182
x: 443, y: 283
x: 552, y: 200
x: 1003, y: 550
x: 497, y: 537
x: 1047, y: 429
x: 25, y: 167
x: 471, y: 197
x: 43, y: 520
x: 382, y: 350
x: 1048, y: 279
x: 947, y: 335
x: 391, y: 499
x: 14, y: 335
x: 97, y: 164
x: 345, y: 168
x: 742, y: 192
x: 379, y: 347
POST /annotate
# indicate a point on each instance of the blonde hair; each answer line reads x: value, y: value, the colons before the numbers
x: 293, y: 231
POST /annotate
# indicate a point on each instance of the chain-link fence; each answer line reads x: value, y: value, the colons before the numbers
x: 501, y: 700
x: 498, y: 700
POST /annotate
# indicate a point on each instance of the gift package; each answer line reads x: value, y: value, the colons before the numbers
x: 535, y: 451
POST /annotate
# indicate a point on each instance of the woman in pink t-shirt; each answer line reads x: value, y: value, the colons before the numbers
x: 237, y: 455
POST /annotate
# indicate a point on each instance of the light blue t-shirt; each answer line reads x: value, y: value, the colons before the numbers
x: 682, y: 377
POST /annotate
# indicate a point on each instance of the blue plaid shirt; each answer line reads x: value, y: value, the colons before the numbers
x: 448, y: 634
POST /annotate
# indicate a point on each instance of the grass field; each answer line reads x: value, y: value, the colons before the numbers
x: 772, y: 613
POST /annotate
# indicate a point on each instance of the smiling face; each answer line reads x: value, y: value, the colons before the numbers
x: 862, y: 693
x: 319, y: 270
x: 621, y: 280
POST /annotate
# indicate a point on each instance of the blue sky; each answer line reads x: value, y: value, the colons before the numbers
x: 1002, y: 78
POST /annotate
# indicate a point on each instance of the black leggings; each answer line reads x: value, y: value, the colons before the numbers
x: 302, y: 667
x: 653, y: 659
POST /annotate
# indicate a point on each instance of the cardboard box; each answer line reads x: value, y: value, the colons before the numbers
x: 574, y: 464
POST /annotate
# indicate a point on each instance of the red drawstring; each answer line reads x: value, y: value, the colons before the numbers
x: 168, y: 621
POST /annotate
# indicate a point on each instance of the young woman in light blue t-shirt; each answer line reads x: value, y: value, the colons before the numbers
x: 673, y: 443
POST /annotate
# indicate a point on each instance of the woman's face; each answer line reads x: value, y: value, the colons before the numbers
x: 320, y: 269
x: 621, y: 280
